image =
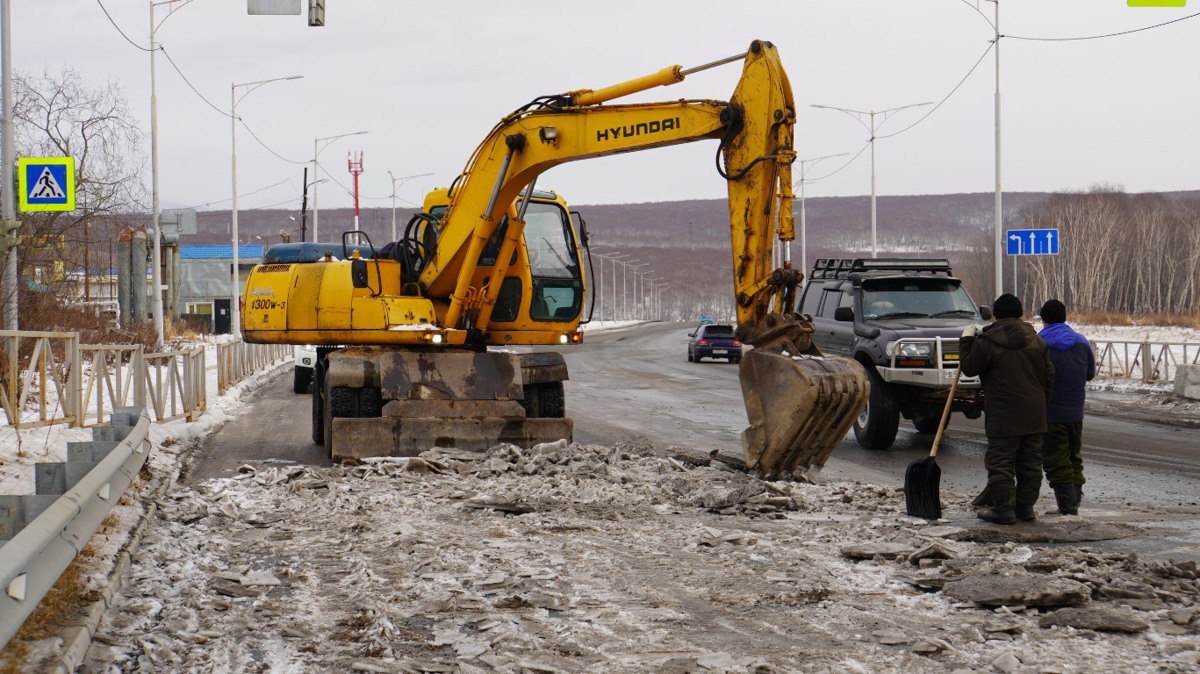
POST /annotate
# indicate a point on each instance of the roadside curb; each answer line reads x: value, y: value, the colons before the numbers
x: 78, y: 635
x: 77, y: 638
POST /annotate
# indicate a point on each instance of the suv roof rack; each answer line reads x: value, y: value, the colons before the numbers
x: 835, y: 268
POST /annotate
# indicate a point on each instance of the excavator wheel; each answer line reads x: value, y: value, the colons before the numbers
x: 350, y: 402
x: 318, y: 402
x: 545, y: 401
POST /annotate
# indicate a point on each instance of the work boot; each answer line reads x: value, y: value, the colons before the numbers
x: 1067, y: 497
x: 1025, y: 513
x: 1003, y: 506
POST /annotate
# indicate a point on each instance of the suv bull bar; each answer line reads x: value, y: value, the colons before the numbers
x: 941, y: 375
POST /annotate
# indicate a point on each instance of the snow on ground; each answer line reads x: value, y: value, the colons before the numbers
x: 584, y: 558
x: 606, y: 559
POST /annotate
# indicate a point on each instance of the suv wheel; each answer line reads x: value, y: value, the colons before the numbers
x: 876, y: 427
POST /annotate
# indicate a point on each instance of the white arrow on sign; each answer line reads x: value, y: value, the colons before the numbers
x: 1049, y: 241
x: 1016, y: 238
x: 1032, y: 246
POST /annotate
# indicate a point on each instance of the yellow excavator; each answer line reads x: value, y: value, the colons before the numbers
x: 412, y: 336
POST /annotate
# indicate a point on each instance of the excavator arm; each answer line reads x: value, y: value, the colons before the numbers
x: 755, y: 156
x: 799, y: 403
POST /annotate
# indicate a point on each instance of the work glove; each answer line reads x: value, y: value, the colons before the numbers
x: 971, y: 330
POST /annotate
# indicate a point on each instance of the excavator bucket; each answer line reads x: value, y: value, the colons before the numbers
x: 800, y: 408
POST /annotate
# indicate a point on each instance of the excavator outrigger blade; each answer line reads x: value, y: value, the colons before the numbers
x: 800, y: 405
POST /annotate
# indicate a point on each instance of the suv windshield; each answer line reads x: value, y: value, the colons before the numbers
x: 910, y: 297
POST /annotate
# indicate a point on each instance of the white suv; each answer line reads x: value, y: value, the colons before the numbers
x: 306, y: 360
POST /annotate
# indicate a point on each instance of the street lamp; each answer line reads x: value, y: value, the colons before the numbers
x: 625, y: 269
x: 858, y: 114
x: 649, y: 312
x: 617, y: 258
x: 804, y: 164
x: 317, y: 175
x: 156, y: 307
x: 402, y: 181
x: 234, y: 310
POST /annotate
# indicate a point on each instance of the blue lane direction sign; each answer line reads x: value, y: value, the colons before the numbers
x: 1032, y: 241
x: 46, y: 184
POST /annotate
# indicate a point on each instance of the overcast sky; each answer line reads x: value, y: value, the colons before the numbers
x: 427, y: 80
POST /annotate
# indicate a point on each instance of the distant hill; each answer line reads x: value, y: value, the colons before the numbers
x: 686, y: 243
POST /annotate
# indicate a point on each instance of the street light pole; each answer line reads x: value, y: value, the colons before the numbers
x: 234, y: 309
x: 317, y: 174
x: 804, y: 164
x: 637, y: 266
x: 858, y: 114
x: 999, y: 240
x: 618, y: 258
x: 402, y: 180
x: 156, y: 307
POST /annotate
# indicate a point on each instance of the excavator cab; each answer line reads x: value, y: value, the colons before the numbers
x: 542, y: 285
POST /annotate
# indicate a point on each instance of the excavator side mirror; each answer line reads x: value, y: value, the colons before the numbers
x: 583, y: 232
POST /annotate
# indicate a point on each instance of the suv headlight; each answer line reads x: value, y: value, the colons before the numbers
x: 909, y: 349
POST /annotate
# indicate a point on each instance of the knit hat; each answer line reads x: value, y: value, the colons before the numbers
x: 1007, y: 306
x: 1053, y: 311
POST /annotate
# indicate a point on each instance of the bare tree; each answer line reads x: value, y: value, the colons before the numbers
x: 62, y: 115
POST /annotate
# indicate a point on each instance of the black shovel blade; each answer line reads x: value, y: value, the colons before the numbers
x: 921, y: 489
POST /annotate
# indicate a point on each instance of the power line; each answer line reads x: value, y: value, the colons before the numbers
x: 267, y: 148
x: 189, y: 82
x: 1101, y: 37
x: 947, y: 96
x: 247, y: 194
x: 114, y: 24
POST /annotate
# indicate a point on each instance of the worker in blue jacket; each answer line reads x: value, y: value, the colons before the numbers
x: 1062, y: 445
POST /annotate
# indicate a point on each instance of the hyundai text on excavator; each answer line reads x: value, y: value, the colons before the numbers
x: 494, y: 262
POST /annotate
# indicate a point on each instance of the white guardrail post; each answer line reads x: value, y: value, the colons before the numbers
x: 41, y: 534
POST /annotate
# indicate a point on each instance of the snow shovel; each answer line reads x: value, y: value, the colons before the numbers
x: 922, y: 478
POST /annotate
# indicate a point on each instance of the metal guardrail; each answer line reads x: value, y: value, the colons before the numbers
x: 46, y: 531
x: 1150, y: 362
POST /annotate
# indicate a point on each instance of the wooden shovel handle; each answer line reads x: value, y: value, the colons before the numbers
x: 937, y: 439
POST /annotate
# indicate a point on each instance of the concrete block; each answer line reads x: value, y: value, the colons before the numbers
x: 90, y: 452
x: 12, y: 516
x: 76, y: 471
x: 35, y: 505
x: 50, y: 478
x: 1187, y: 381
x: 111, y: 433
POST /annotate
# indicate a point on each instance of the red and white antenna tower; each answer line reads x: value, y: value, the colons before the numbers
x: 355, y: 165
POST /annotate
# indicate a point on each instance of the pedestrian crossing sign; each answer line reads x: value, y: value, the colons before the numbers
x: 46, y: 184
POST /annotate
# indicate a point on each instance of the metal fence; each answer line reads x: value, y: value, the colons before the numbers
x: 1150, y: 362
x: 50, y: 378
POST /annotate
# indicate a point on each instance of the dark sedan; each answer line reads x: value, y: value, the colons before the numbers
x: 715, y: 340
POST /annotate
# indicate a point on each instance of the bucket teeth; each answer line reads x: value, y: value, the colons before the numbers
x: 799, y: 407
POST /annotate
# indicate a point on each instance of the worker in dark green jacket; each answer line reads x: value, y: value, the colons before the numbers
x: 1014, y: 366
